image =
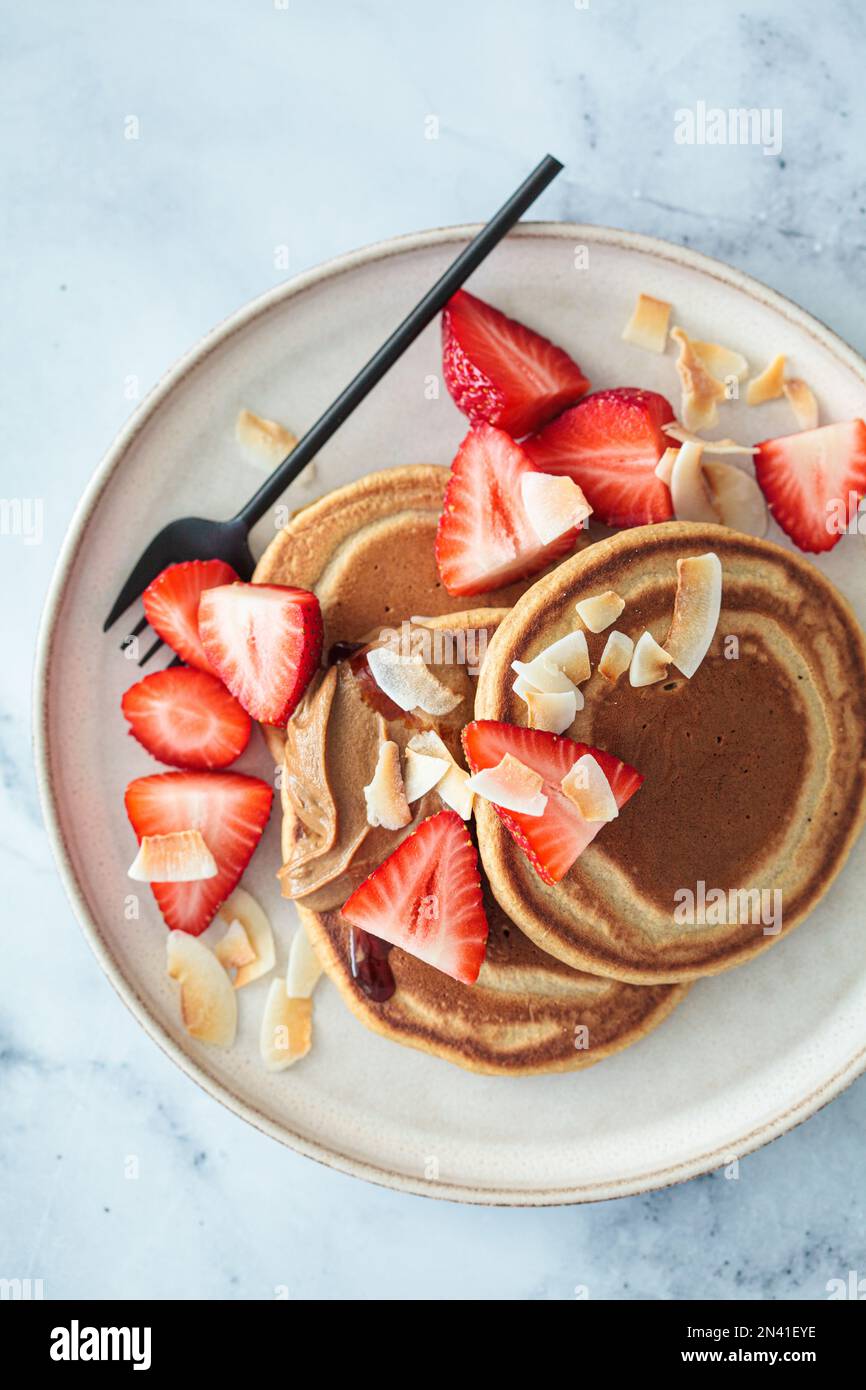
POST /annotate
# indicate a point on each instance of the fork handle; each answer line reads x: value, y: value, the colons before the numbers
x: 434, y: 300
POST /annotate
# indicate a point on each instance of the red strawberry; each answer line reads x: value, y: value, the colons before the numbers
x: 264, y: 641
x: 499, y: 371
x: 231, y: 812
x: 171, y: 605
x: 553, y: 841
x: 484, y: 537
x: 813, y: 481
x: 426, y: 898
x: 187, y: 718
x: 610, y: 445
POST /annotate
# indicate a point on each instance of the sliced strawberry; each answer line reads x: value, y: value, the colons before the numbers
x: 264, y: 641
x: 426, y: 898
x: 171, y: 605
x: 229, y: 809
x: 499, y: 371
x: 187, y: 718
x: 552, y: 841
x: 814, y: 481
x: 485, y: 538
x: 610, y: 445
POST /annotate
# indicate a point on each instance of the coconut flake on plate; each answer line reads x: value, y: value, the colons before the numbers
x: 648, y: 326
x: 649, y: 662
x: 234, y: 949
x: 586, y: 785
x: 208, y: 1005
x: 387, y: 804
x: 553, y: 714
x: 453, y: 787
x: 665, y: 466
x: 802, y: 401
x: 690, y: 495
x: 179, y: 857
x: 721, y: 362
x: 242, y: 907
x: 304, y: 968
x: 410, y: 683
x: 696, y: 611
x: 701, y: 392
x: 511, y: 785
x: 265, y: 443
x: 599, y: 611
x: 616, y: 657
x: 709, y: 446
x: 737, y: 498
x: 768, y: 384
x: 554, y: 504
x: 286, y: 1033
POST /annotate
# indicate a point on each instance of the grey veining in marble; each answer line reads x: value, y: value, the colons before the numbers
x: 273, y: 123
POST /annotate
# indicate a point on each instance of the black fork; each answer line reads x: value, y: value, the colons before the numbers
x: 196, y: 538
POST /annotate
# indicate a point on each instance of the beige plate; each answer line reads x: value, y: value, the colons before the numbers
x: 748, y: 1054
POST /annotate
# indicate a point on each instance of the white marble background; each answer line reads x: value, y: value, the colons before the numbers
x: 302, y: 124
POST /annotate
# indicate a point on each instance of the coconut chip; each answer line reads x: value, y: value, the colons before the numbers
x: 453, y: 787
x: 769, y: 384
x: 665, y: 466
x: 709, y: 446
x: 511, y: 785
x: 587, y: 787
x: 181, y: 857
x: 421, y: 773
x: 304, y: 969
x: 264, y: 442
x: 287, y: 1028
x: 721, y: 362
x: 234, y: 949
x: 701, y: 391
x: 648, y: 326
x: 559, y: 667
x: 601, y: 610
x: 802, y: 401
x: 242, y: 907
x: 554, y: 504
x: 385, y: 797
x: 553, y: 713
x: 616, y: 657
x: 410, y: 683
x: 649, y: 662
x: 696, y: 611
x: 208, y: 1006
x: 737, y: 498
x: 690, y: 495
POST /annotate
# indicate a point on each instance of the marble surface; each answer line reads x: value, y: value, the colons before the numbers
x: 283, y: 125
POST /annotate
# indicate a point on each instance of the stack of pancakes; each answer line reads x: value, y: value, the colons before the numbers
x: 755, y: 775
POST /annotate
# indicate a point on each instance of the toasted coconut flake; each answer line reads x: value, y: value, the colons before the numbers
x: 690, y: 494
x: 511, y: 785
x: 769, y: 384
x: 554, y: 504
x: 649, y: 662
x: 304, y: 969
x: 181, y: 857
x: 264, y: 442
x: 410, y: 683
x: 523, y: 688
x: 540, y: 675
x: 616, y: 657
x: 242, y: 907
x: 385, y: 797
x: 421, y: 774
x: 234, y: 949
x: 665, y: 466
x: 648, y: 325
x: 696, y: 611
x: 553, y: 713
x: 802, y: 401
x: 287, y: 1028
x: 453, y: 787
x: 601, y: 610
x: 709, y: 446
x: 208, y: 1006
x: 560, y: 667
x: 721, y: 362
x: 737, y: 498
x: 586, y: 785
x: 701, y: 391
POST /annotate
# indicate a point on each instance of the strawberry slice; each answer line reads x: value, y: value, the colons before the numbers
x: 171, y: 605
x: 264, y: 641
x: 187, y: 718
x: 229, y: 809
x: 554, y: 840
x: 485, y: 537
x: 814, y: 481
x: 499, y: 371
x: 426, y: 898
x: 610, y: 445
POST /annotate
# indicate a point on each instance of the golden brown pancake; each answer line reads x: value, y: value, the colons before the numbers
x: 528, y: 1013
x: 755, y: 768
x: 366, y: 551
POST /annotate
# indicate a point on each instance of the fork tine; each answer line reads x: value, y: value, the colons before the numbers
x: 148, y: 566
x: 151, y: 651
x: 134, y: 632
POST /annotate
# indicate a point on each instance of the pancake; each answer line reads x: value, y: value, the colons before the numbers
x: 755, y: 768
x: 366, y: 551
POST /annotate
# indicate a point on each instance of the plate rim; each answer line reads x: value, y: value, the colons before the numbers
x: 773, y: 1127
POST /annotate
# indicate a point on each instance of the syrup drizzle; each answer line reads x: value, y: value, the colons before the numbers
x: 368, y: 956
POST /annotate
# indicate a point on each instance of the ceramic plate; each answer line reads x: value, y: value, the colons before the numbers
x: 748, y: 1054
